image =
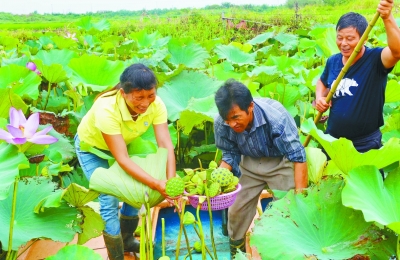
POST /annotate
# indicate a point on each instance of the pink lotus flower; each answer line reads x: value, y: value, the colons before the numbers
x: 71, y: 36
x: 32, y: 66
x: 21, y: 130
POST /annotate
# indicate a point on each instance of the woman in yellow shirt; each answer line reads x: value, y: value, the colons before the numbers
x: 116, y: 118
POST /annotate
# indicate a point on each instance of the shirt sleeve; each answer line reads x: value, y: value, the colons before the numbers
x: 230, y: 151
x: 325, y: 73
x: 160, y: 110
x: 286, y: 138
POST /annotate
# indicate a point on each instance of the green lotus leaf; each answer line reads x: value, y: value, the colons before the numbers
x: 10, y: 162
x: 316, y: 224
x: 58, y: 224
x: 21, y: 61
x: 9, y: 42
x: 141, y: 148
x: 145, y: 40
x: 392, y: 93
x: 10, y: 99
x: 149, y: 135
x: 378, y: 200
x: 78, y: 196
x: 54, y: 73
x: 51, y: 201
x: 64, y: 43
x: 305, y: 43
x: 198, y: 111
x: 346, y: 157
x: 326, y: 40
x: 92, y: 225
x: 285, y: 64
x: 284, y: 93
x: 115, y: 181
x: 235, y: 55
x: 93, y: 76
x: 54, y: 56
x: 24, y: 82
x: 289, y: 41
x: 187, y: 85
x: 261, y: 38
x: 86, y: 24
x: 316, y: 162
x: 224, y: 71
x: 75, y: 176
x: 192, y: 55
x: 75, y: 252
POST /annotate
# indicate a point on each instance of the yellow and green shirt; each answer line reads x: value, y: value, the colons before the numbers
x: 110, y: 115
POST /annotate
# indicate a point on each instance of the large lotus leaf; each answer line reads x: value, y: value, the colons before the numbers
x: 379, y: 200
x: 261, y: 38
x: 177, y: 92
x: 145, y: 40
x: 102, y: 25
x: 92, y: 225
x: 10, y: 99
x: 235, y: 55
x: 115, y: 181
x: 326, y: 40
x: 289, y: 41
x: 305, y: 43
x: 346, y: 157
x: 224, y: 71
x: 149, y: 135
x: 54, y: 73
x: 140, y: 147
x: 58, y: 224
x: 75, y: 176
x: 392, y: 93
x: 265, y: 74
x: 316, y: 224
x: 10, y: 162
x: 285, y: 64
x: 21, y: 61
x: 78, y: 196
x: 24, y: 82
x: 191, y: 55
x: 316, y: 162
x: 75, y: 252
x: 101, y: 74
x: 284, y: 93
x: 55, y: 56
x: 198, y: 111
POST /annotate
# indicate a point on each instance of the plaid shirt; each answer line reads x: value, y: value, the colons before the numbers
x: 273, y: 134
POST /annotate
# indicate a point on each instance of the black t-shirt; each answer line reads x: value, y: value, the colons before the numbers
x: 357, y: 105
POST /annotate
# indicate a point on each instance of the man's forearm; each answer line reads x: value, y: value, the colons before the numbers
x: 300, y: 175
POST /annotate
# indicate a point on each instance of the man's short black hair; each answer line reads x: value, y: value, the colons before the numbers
x: 232, y: 93
x: 354, y: 20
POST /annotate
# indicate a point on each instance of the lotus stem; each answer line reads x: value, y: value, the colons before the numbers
x: 198, y: 234
x: 149, y: 232
x: 203, y: 244
x: 163, y: 236
x: 398, y: 247
x: 143, y: 238
x: 211, y: 220
x: 11, y: 255
x: 47, y: 96
x: 181, y: 228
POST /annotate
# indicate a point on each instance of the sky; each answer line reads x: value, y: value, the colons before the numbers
x: 83, y: 6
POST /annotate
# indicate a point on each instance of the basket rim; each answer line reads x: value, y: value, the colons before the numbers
x: 238, y: 188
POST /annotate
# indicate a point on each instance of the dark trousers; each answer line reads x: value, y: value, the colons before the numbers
x: 365, y: 143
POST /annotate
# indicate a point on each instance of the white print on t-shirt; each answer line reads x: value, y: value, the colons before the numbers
x: 344, y: 87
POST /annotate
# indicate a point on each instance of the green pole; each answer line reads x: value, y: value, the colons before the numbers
x: 345, y: 69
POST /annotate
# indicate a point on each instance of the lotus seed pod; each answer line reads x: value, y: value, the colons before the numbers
x: 175, y: 187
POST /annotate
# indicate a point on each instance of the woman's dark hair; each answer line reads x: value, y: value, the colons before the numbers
x: 352, y: 19
x: 232, y: 93
x: 136, y: 77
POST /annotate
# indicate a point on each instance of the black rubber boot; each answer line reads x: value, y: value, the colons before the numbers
x: 234, y: 245
x: 128, y: 227
x: 115, y: 248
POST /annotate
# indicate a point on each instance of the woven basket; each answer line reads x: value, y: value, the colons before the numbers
x: 218, y: 202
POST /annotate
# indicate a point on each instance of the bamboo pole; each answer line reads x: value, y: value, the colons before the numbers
x: 345, y: 69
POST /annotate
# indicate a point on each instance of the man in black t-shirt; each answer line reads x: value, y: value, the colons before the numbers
x: 357, y: 105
